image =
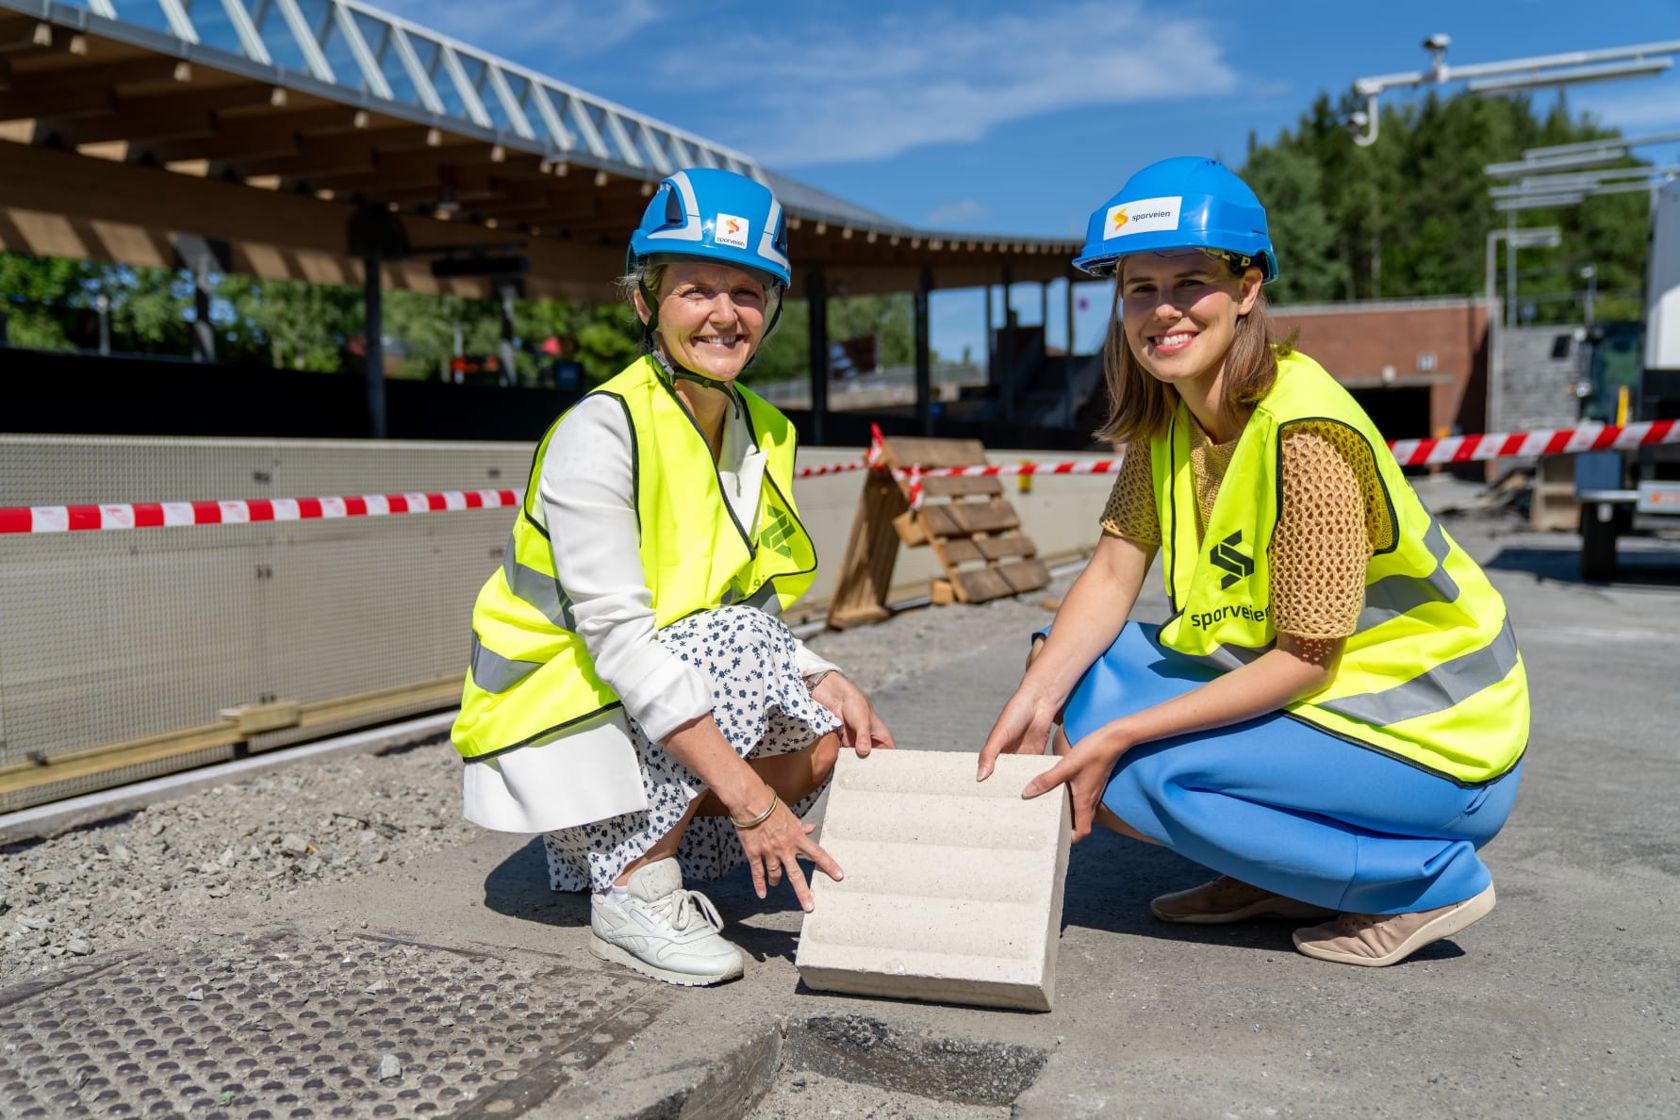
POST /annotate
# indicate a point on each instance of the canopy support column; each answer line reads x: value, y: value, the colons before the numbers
x: 373, y: 330
x: 816, y: 295
x: 924, y: 355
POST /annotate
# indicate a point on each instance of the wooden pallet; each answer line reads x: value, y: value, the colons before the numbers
x: 972, y: 529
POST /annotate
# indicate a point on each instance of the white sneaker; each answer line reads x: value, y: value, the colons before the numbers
x: 662, y: 930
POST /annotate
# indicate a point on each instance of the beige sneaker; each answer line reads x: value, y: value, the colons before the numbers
x: 662, y: 930
x: 1375, y: 940
x: 1228, y: 900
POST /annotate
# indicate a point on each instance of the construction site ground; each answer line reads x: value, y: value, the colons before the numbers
x: 330, y: 939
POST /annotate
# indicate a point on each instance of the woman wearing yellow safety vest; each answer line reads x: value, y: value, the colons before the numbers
x: 1333, y: 717
x: 633, y: 693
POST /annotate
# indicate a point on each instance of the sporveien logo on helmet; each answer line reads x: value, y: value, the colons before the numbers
x: 731, y: 230
x: 1145, y: 215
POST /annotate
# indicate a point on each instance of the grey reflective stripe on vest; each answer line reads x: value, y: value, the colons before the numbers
x: 1393, y: 596
x: 494, y: 673
x: 1229, y: 657
x: 540, y: 590
x: 763, y: 599
x: 1448, y: 684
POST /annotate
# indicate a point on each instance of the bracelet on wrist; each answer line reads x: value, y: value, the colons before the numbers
x: 754, y: 822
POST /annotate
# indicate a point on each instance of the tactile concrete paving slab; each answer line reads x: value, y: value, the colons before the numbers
x: 952, y: 888
x: 287, y: 1026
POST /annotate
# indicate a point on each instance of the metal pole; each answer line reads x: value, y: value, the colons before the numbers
x: 1490, y: 306
x: 924, y: 355
x: 373, y: 328
x: 1591, y: 275
x: 203, y: 332
x: 1510, y: 270
x: 102, y: 302
x: 990, y: 364
x: 1491, y: 309
x: 1067, y: 357
x: 816, y: 295
x: 507, y: 290
x: 1006, y: 345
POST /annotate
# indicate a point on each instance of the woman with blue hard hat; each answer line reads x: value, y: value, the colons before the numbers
x: 633, y: 693
x: 1334, y: 714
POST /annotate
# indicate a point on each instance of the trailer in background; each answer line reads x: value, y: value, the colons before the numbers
x: 1634, y: 374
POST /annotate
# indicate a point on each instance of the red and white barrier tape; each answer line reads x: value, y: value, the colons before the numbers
x: 149, y: 515
x: 146, y: 515
x: 1558, y: 441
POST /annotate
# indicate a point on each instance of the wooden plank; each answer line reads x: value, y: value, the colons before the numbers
x: 865, y: 575
x: 982, y: 517
x: 941, y: 593
x: 1005, y: 546
x: 940, y: 523
x: 1024, y: 575
x: 957, y: 550
x: 977, y: 585
x: 962, y: 486
x: 910, y: 529
x: 904, y: 451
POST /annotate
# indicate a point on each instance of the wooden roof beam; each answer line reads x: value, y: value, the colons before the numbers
x: 276, y: 134
x: 61, y: 81
x: 41, y: 38
x: 423, y: 169
x: 323, y: 157
x: 187, y: 113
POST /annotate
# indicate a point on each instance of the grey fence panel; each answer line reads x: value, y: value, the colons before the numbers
x: 118, y: 635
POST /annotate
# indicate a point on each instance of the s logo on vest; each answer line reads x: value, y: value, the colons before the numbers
x: 778, y: 533
x: 1227, y: 559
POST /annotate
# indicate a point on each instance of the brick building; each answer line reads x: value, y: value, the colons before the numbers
x: 1418, y: 366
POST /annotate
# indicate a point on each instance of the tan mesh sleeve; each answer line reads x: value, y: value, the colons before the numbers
x: 1325, y: 531
x: 1131, y: 511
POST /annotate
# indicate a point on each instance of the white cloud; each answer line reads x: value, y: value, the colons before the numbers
x: 956, y: 213
x: 513, y: 28
x: 838, y: 91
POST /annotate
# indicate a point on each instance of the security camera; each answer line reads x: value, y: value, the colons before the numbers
x: 1437, y: 42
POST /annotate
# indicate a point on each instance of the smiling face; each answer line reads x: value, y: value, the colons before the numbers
x: 711, y: 317
x: 1180, y: 313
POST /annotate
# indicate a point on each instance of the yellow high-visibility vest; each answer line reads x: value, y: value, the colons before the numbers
x: 531, y: 677
x: 1431, y: 676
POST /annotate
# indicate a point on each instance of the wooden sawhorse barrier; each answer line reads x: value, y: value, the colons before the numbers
x: 973, y: 530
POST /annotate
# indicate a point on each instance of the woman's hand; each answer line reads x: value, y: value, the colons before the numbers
x: 773, y: 850
x: 1085, y: 770
x: 860, y: 726
x: 1023, y: 727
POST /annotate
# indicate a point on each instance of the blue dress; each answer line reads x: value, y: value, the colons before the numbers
x: 1283, y: 805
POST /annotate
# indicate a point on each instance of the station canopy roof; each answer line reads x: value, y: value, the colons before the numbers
x: 260, y: 127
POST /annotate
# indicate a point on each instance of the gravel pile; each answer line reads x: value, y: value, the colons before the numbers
x: 218, y: 854
x: 176, y: 867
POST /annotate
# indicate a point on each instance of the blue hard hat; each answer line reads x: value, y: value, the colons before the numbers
x: 1187, y: 202
x: 714, y: 215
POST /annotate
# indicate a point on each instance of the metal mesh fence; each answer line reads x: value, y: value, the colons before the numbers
x: 116, y: 637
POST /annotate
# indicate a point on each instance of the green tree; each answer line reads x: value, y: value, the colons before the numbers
x: 1292, y: 186
x: 40, y: 298
x: 1409, y: 216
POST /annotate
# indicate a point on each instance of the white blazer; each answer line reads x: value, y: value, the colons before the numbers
x: 588, y: 504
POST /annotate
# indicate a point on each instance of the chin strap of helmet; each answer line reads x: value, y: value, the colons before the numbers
x: 678, y: 372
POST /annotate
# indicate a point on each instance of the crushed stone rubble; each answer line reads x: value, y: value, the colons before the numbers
x: 221, y: 855
x: 175, y: 867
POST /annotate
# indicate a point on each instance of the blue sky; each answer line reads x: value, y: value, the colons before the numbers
x: 1018, y: 118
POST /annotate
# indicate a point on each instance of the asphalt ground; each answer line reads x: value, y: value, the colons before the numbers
x: 1563, y: 1002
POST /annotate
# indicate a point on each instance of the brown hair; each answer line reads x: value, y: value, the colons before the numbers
x: 1140, y: 406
